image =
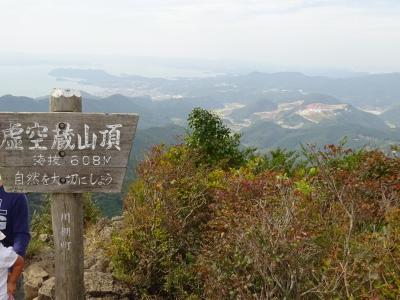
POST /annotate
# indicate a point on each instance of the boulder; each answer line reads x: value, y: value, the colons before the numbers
x: 34, y: 276
x: 46, y: 292
x: 89, y: 262
x: 99, y: 285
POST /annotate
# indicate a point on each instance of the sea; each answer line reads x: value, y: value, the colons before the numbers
x: 34, y: 80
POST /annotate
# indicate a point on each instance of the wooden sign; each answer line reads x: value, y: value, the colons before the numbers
x: 65, y: 152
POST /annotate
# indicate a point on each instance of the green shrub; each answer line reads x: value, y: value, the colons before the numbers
x: 34, y: 248
x: 165, y: 212
x: 283, y: 160
x: 214, y: 141
x: 335, y: 235
x: 328, y: 229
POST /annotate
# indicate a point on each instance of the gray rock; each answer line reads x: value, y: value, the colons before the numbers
x: 35, y: 271
x: 46, y: 292
x: 34, y: 277
x: 89, y: 262
x: 99, y: 285
x: 44, y: 237
x: 117, y: 218
x: 32, y: 290
x: 118, y: 225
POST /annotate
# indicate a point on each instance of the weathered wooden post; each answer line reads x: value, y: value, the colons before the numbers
x: 66, y: 152
x: 67, y: 219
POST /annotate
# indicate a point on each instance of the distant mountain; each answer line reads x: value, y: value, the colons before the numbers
x: 268, y: 135
x: 269, y: 119
x: 247, y: 111
x: 116, y: 104
x: 276, y: 108
x: 11, y: 103
x: 370, y: 91
x: 291, y: 115
x: 303, y: 121
x: 292, y: 104
x: 392, y: 116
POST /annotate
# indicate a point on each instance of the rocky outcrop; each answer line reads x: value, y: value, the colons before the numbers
x: 98, y: 286
x: 103, y: 286
x: 46, y: 292
x: 99, y: 282
x: 34, y: 278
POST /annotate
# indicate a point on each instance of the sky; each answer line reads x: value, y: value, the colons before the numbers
x: 359, y: 35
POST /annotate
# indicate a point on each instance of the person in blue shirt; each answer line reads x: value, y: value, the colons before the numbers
x: 14, y: 224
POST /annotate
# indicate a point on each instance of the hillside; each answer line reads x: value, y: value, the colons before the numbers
x: 277, y: 225
x: 270, y: 110
x: 300, y: 112
x: 392, y: 116
x: 371, y: 90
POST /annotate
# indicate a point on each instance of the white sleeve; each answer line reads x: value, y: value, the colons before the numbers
x: 7, y: 257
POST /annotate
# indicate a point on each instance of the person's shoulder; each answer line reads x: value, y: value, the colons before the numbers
x: 14, y: 199
x: 21, y: 200
x: 17, y: 195
x: 5, y: 194
x: 20, y: 196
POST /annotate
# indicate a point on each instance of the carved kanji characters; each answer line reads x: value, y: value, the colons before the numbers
x: 36, y: 134
x: 12, y: 139
x: 86, y: 144
x: 63, y: 138
x: 33, y: 178
x: 39, y: 160
x: 19, y: 178
x: 111, y: 137
x: 53, y: 160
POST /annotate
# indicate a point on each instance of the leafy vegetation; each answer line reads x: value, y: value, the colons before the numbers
x: 321, y: 225
x: 111, y: 204
x: 213, y: 140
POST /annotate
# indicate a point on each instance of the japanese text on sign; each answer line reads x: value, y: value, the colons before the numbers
x: 63, y: 137
x: 36, y: 178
